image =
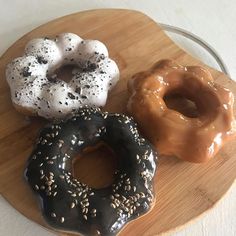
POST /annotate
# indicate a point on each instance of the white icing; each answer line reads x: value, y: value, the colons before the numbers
x: 66, y: 42
x: 28, y: 75
x: 46, y: 49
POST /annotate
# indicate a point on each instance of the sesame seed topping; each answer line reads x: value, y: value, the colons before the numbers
x: 72, y: 205
x: 53, y: 215
x: 94, y: 210
x: 56, y: 177
x: 62, y: 176
x: 36, y: 187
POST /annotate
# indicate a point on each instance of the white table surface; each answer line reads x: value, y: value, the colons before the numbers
x: 212, y: 20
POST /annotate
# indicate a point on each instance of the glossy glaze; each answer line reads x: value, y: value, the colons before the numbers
x: 195, y: 139
x: 70, y: 205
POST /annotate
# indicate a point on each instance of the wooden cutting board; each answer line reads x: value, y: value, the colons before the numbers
x: 184, y: 190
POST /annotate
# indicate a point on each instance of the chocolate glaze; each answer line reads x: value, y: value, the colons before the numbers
x: 70, y: 205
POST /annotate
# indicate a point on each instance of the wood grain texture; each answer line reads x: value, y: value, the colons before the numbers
x: 184, y: 190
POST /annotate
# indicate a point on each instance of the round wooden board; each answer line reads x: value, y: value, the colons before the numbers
x: 184, y: 190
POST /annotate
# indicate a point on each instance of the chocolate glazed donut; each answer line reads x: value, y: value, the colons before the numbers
x: 70, y: 205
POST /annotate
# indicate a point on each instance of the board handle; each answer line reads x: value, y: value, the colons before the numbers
x: 198, y: 40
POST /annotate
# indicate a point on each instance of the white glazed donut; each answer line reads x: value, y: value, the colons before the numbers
x: 33, y: 91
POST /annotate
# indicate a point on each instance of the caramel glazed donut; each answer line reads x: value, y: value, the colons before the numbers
x: 33, y: 91
x: 70, y: 205
x: 195, y: 139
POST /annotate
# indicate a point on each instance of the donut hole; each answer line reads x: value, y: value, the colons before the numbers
x: 181, y: 103
x: 64, y: 73
x: 67, y: 71
x: 96, y: 166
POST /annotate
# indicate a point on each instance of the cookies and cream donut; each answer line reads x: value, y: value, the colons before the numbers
x: 191, y: 137
x: 70, y: 205
x: 34, y: 89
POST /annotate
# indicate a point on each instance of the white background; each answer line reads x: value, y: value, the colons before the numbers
x: 212, y: 20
